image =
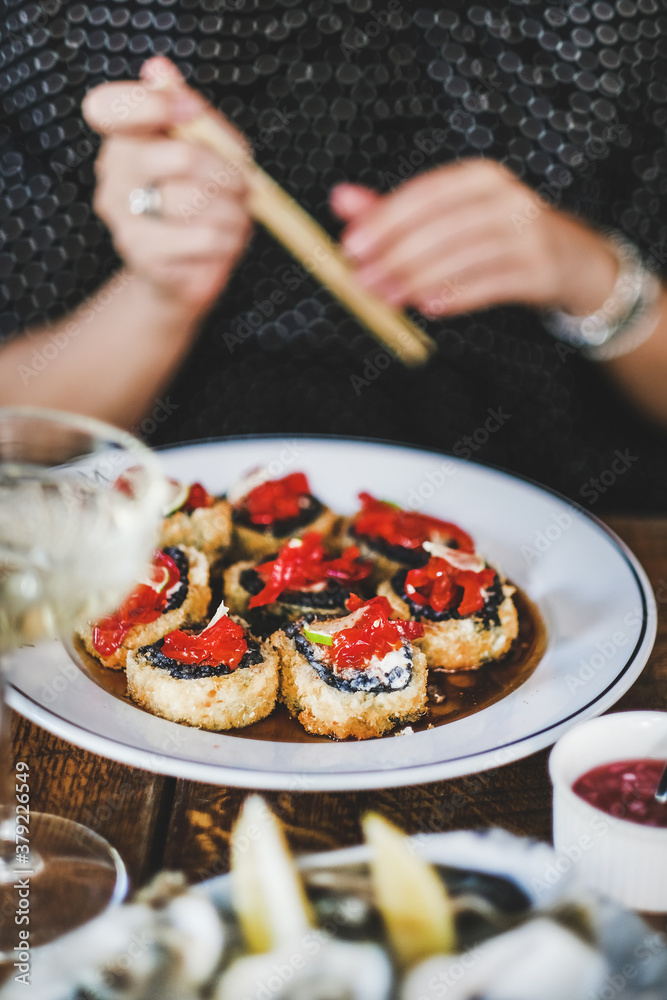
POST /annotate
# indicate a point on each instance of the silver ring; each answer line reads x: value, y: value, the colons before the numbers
x: 146, y: 201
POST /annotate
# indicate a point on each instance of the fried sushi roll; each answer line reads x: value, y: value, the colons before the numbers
x: 357, y: 676
x: 198, y: 519
x: 271, y: 512
x: 394, y: 538
x: 218, y: 678
x: 175, y: 593
x: 301, y: 579
x: 466, y: 609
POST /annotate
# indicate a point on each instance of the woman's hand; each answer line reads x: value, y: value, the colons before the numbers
x: 186, y: 253
x: 470, y: 236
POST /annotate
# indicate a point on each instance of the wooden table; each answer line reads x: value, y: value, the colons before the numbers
x: 159, y: 822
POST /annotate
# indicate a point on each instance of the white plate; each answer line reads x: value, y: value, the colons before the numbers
x: 59, y: 969
x: 593, y: 594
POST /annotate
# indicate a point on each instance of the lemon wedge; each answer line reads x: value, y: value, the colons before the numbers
x: 412, y: 899
x: 267, y: 892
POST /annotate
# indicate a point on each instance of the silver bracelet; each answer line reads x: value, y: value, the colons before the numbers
x: 625, y: 320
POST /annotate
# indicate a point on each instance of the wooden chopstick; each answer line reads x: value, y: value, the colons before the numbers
x: 269, y: 204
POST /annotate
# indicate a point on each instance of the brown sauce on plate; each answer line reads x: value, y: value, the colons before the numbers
x: 451, y: 695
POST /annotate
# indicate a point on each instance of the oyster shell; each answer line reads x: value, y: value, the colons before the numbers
x: 315, y: 967
x: 538, y: 959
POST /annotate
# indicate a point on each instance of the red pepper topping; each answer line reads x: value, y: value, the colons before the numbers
x: 407, y: 528
x: 442, y: 586
x: 302, y: 563
x: 277, y: 500
x: 222, y: 642
x: 144, y: 605
x: 197, y: 497
x: 371, y: 635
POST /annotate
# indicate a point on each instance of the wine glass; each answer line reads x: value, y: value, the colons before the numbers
x: 80, y: 503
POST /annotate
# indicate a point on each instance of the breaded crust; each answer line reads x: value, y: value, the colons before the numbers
x: 229, y: 701
x: 192, y: 610
x: 251, y: 544
x: 328, y: 711
x: 236, y: 596
x: 208, y: 529
x: 465, y: 643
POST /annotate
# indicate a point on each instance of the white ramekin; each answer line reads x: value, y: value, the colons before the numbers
x: 626, y: 861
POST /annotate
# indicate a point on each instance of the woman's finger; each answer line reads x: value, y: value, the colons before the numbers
x: 133, y: 107
x: 480, y: 258
x: 167, y: 158
x: 415, y: 202
x: 350, y: 200
x: 472, y: 291
x: 127, y: 162
x: 444, y: 236
x: 153, y: 105
x: 194, y: 202
x: 449, y: 273
x: 161, y: 73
